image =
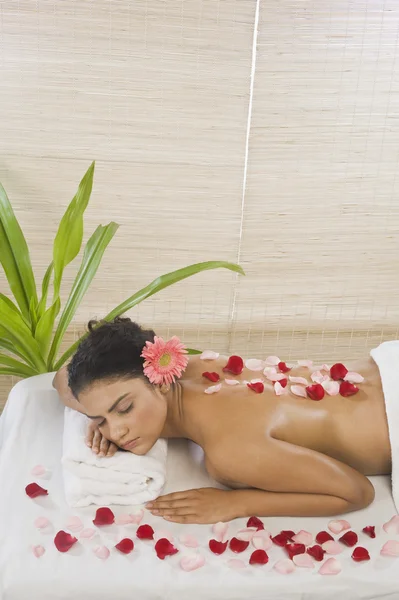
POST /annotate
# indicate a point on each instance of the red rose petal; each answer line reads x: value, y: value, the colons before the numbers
x: 164, y: 548
x: 258, y: 557
x: 257, y: 387
x: 211, y: 376
x: 104, y: 516
x: 238, y: 546
x: 125, y: 546
x: 349, y: 539
x: 283, y: 367
x: 359, y: 554
x: 316, y: 552
x: 283, y: 382
x: 255, y: 522
x: 64, y: 541
x: 145, y: 532
x: 338, y: 371
x: 217, y: 547
x: 235, y: 365
x: 288, y: 534
x: 315, y: 392
x: 293, y: 549
x: 347, y: 389
x: 33, y: 490
x: 323, y: 536
x: 280, y: 540
x: 369, y: 530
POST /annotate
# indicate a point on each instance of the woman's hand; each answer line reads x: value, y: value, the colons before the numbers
x: 98, y: 443
x: 204, y: 505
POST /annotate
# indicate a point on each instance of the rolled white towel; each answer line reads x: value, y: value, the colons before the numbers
x: 125, y: 478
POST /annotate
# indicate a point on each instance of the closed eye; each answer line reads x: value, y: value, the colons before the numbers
x: 120, y: 412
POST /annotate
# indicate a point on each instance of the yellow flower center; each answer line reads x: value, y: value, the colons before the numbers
x: 165, y: 360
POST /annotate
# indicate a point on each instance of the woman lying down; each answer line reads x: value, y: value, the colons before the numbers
x: 294, y: 442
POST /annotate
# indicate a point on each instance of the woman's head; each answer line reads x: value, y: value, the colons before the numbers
x: 106, y: 376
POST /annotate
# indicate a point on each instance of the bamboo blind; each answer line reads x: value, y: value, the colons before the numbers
x: 257, y: 131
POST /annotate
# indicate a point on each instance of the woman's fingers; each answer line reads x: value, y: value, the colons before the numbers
x: 104, y: 445
x: 96, y: 441
x: 90, y: 434
x: 112, y: 449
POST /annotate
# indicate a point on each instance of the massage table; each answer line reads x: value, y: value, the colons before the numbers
x: 31, y: 429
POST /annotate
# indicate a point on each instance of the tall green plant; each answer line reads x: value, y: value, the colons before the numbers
x: 31, y: 327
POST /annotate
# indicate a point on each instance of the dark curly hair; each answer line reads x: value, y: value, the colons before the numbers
x: 111, y: 350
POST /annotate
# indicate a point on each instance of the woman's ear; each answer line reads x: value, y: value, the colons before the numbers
x: 164, y: 388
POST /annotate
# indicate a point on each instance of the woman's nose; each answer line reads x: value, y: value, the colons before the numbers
x: 118, y: 432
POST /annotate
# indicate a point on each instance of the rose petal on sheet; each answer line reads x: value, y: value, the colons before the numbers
x: 353, y: 377
x: 349, y: 538
x: 255, y: 522
x: 323, y: 536
x: 347, y: 389
x: 235, y: 365
x: 220, y: 531
x: 272, y: 361
x: 188, y: 540
x: 392, y: 526
x: 124, y: 520
x: 300, y: 380
x: 303, y: 560
x: 213, y: 389
x: 38, y: 551
x: 258, y: 557
x: 336, y: 526
x: 137, y: 516
x: 338, y: 371
x: 332, y: 547
x: 390, y: 548
x: 316, y: 552
x: 209, y: 355
x: 331, y: 567
x: 125, y: 546
x: 237, y: 545
x: 74, y: 524
x: 164, y: 548
x: 305, y: 363
x: 360, y: 554
x: 279, y: 390
x: 101, y: 552
x: 280, y: 540
x: 369, y: 530
x: 288, y: 534
x: 331, y: 387
x: 166, y: 535
x: 232, y: 381
x: 212, y: 376
x: 104, y: 516
x: 303, y: 537
x: 236, y: 563
x: 33, y: 490
x: 258, y: 387
x: 293, y: 549
x: 261, y: 540
x: 246, y: 534
x: 64, y: 541
x: 87, y: 533
x: 41, y: 523
x: 254, y: 364
x: 284, y: 566
x: 39, y: 471
x: 145, y: 532
x: 191, y: 562
x: 217, y: 547
x: 298, y: 390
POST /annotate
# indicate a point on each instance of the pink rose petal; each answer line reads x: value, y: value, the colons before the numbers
x: 336, y: 526
x: 246, y: 534
x: 330, y: 567
x: 267, y: 371
x: 325, y: 367
x: 220, y: 531
x: 123, y: 520
x: 232, y: 381
x: 137, y: 516
x: 39, y: 470
x: 284, y: 566
x: 261, y: 540
x: 301, y: 380
x: 305, y: 363
x: 318, y: 377
x: 101, y: 552
x: 298, y: 390
x: 392, y: 526
x: 213, y: 389
x: 236, y: 563
x: 209, y: 355
x: 332, y: 547
x: 38, y: 551
x: 87, y: 533
x: 74, y: 524
x: 303, y: 560
x: 191, y: 562
x: 390, y: 548
x: 188, y: 540
x: 272, y: 361
x: 331, y: 387
x: 41, y: 523
x: 166, y: 535
x: 303, y: 537
x: 354, y: 377
x: 254, y: 364
x: 276, y: 377
x: 279, y: 390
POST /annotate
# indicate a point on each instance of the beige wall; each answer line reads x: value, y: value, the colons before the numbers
x: 304, y: 195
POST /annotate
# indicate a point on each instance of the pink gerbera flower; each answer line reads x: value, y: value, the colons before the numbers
x: 164, y: 360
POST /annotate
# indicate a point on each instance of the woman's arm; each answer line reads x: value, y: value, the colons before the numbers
x: 60, y: 383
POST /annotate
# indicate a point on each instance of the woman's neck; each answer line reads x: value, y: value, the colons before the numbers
x: 177, y: 424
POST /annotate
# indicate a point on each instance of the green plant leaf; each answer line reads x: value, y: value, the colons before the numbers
x: 155, y: 286
x: 45, y: 326
x: 69, y: 236
x: 6, y: 344
x: 45, y: 285
x: 8, y: 361
x: 14, y: 256
x: 11, y: 371
x: 192, y: 351
x: 17, y: 332
x: 92, y: 256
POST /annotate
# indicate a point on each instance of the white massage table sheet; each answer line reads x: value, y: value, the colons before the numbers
x: 31, y: 433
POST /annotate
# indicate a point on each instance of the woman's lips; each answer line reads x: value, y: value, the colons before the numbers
x: 130, y: 445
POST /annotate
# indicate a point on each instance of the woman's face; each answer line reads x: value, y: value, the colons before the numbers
x: 128, y: 412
